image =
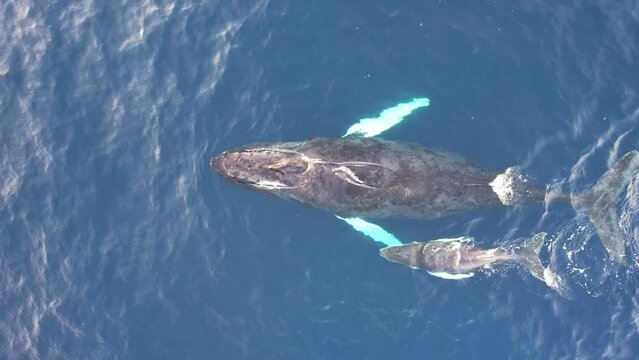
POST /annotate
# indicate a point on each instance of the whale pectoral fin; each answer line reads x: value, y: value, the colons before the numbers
x: 388, y: 118
x: 375, y: 232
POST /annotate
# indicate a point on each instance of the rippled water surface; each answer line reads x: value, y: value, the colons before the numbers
x: 116, y: 241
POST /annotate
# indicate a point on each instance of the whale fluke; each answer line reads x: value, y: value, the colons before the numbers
x: 600, y: 203
x: 528, y: 255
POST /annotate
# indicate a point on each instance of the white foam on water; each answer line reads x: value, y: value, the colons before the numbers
x: 503, y: 186
x: 550, y: 278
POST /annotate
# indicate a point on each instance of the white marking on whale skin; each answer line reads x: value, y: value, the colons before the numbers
x: 268, y: 184
x: 459, y: 239
x: 490, y: 252
x: 448, y: 276
x: 358, y: 163
x: 503, y: 186
x: 349, y: 176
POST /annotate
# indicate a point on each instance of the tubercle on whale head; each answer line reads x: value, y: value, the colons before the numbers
x: 262, y: 167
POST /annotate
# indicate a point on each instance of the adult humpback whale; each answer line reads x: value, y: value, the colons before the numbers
x: 375, y: 178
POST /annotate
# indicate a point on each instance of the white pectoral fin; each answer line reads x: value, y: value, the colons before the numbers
x: 388, y: 118
x: 448, y: 276
x: 375, y: 232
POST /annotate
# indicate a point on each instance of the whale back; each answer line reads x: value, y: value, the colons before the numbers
x: 377, y: 178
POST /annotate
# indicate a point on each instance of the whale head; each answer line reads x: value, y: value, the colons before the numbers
x: 403, y: 254
x: 267, y: 168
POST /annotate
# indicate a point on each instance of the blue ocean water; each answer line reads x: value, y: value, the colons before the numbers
x: 118, y: 243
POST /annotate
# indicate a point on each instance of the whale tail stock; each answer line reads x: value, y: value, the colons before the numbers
x: 600, y: 203
x: 528, y: 255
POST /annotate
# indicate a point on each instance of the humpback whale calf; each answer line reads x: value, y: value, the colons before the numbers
x: 375, y: 178
x: 458, y: 258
